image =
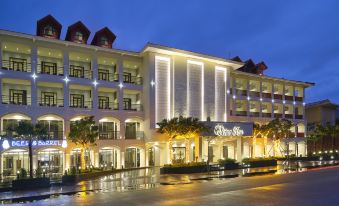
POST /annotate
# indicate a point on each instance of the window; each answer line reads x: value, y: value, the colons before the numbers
x: 48, y: 68
x: 48, y: 99
x: 77, y: 100
x: 79, y: 36
x: 49, y: 30
x: 77, y: 71
x: 127, y: 104
x: 103, y: 41
x: 103, y: 74
x: 18, y: 64
x: 18, y: 96
x: 104, y: 102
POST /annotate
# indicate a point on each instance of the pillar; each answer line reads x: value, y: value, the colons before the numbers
x: 120, y: 65
x: 66, y: 84
x: 34, y: 59
x: 95, y: 79
x: 240, y: 148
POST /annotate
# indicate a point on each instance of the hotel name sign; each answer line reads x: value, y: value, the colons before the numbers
x: 229, y: 129
x: 6, y: 144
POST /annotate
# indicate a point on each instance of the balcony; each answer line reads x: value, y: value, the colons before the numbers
x: 128, y: 78
x: 241, y: 92
x: 241, y: 113
x: 266, y: 95
x: 78, y: 102
x: 105, y: 75
x: 108, y: 105
x: 267, y: 115
x: 55, y: 135
x: 16, y: 64
x: 278, y: 96
x: 50, y: 68
x: 278, y: 115
x: 16, y: 99
x: 80, y: 72
x: 254, y: 114
x: 138, y: 135
x: 51, y: 102
x: 299, y: 99
x: 133, y: 107
x: 300, y: 134
x: 289, y: 116
x: 254, y: 94
x: 288, y: 98
x: 109, y: 135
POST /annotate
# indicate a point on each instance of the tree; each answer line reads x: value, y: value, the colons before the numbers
x: 83, y: 132
x: 327, y: 131
x: 313, y: 137
x: 31, y: 132
x: 261, y: 131
x: 181, y: 128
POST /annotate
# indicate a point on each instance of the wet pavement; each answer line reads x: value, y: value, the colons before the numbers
x: 149, y: 187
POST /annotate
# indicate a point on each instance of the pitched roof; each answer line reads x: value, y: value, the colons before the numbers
x: 103, y: 32
x: 77, y: 26
x: 49, y: 19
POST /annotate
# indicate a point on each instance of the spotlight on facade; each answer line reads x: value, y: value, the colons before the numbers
x: 234, y: 96
x: 284, y: 102
x: 248, y: 98
x: 95, y: 83
x: 5, y: 144
x: 64, y: 144
x: 294, y: 103
x: 261, y: 99
x: 121, y: 85
x: 272, y: 100
x: 34, y: 76
x: 152, y: 83
x: 66, y: 80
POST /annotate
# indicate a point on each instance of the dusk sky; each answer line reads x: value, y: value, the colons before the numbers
x: 298, y: 40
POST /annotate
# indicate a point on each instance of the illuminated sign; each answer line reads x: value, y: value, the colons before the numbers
x: 220, y: 130
x: 229, y: 129
x: 6, y: 144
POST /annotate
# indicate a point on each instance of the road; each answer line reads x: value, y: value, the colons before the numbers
x: 315, y: 187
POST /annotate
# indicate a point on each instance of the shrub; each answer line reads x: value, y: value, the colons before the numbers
x: 23, y: 173
x: 38, y: 172
x: 249, y: 160
x: 226, y: 161
x: 73, y: 171
x: 190, y: 164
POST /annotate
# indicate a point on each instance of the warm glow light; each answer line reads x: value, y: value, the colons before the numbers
x: 34, y: 76
x: 95, y: 83
x: 66, y: 79
x: 121, y: 85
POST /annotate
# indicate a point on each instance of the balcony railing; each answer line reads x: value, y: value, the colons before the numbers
x: 278, y: 96
x: 289, y: 116
x: 105, y: 75
x: 108, y: 106
x: 240, y: 113
x: 133, y: 107
x: 51, y: 135
x: 139, y: 135
x: 265, y: 114
x: 50, y: 69
x: 17, y: 65
x: 300, y: 134
x: 85, y: 105
x: 288, y: 98
x: 266, y: 95
x: 241, y: 92
x: 17, y: 101
x: 254, y: 94
x: 278, y: 115
x: 80, y: 72
x: 254, y: 114
x: 299, y: 99
x: 104, y: 135
x: 55, y: 103
x: 132, y: 79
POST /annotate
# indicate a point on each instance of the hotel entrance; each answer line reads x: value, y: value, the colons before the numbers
x: 51, y: 161
x: 13, y: 161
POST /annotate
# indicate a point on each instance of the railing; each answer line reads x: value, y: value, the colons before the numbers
x: 254, y: 114
x: 299, y: 116
x: 299, y: 99
x: 85, y: 104
x: 241, y: 92
x: 16, y: 101
x: 105, y: 75
x: 51, y: 135
x: 278, y: 96
x: 289, y: 98
x: 240, y: 113
x: 132, y: 79
x: 22, y: 66
x: 289, y: 116
x: 266, y: 95
x: 300, y: 134
x: 109, y: 135
x: 56, y: 103
x: 109, y: 106
x: 139, y: 135
x: 265, y: 114
x: 133, y: 107
x: 254, y: 94
x: 278, y: 115
x: 80, y: 72
x: 50, y: 70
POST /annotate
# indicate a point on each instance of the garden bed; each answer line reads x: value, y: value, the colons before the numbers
x: 30, y: 183
x: 184, y: 168
x: 259, y: 162
x: 228, y: 164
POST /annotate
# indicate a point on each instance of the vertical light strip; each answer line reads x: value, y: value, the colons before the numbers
x: 173, y: 88
x: 202, y: 86
x: 217, y: 104
x: 158, y: 84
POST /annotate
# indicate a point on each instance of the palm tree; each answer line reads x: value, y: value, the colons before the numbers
x: 84, y: 132
x: 31, y: 132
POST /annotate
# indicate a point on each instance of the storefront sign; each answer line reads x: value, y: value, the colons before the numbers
x: 229, y: 129
x: 6, y: 144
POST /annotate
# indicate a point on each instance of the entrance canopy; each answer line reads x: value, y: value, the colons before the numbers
x: 229, y: 129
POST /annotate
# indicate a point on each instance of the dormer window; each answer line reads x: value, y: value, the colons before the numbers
x: 103, y: 41
x: 49, y: 30
x: 79, y: 36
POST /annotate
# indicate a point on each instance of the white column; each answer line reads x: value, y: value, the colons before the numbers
x: 272, y: 100
x: 260, y: 96
x: 294, y: 114
x: 34, y: 59
x: 240, y: 148
x: 121, y: 80
x: 66, y: 84
x: 95, y: 78
x: 248, y: 95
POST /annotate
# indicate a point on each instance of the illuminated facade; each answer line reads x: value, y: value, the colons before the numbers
x: 44, y: 79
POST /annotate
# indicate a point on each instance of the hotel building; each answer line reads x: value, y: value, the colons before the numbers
x: 56, y: 82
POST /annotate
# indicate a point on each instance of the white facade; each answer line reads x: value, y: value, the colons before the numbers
x: 128, y: 93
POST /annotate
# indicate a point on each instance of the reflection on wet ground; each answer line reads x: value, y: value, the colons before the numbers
x: 150, y: 178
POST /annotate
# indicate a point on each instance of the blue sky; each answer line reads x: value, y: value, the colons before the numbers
x: 298, y: 40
